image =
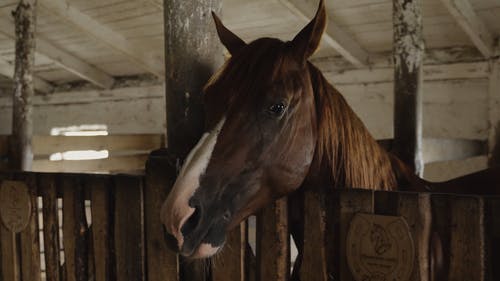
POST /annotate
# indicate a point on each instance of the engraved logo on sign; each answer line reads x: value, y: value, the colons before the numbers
x: 379, y: 248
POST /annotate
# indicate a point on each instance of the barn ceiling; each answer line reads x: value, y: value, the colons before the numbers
x: 100, y: 40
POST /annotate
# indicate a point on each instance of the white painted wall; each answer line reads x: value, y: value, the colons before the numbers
x: 452, y: 109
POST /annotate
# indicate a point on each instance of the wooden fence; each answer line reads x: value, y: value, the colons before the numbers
x: 125, y: 238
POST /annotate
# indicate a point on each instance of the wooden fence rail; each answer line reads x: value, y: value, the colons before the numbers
x: 110, y: 230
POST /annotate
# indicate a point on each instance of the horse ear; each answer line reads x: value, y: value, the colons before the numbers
x: 231, y: 41
x: 307, y: 41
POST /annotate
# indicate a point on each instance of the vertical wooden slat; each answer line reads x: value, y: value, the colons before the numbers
x: 100, y: 188
x: 408, y: 53
x: 128, y: 228
x: 74, y: 228
x: 350, y: 202
x: 30, y: 244
x: 416, y: 210
x: 492, y: 224
x: 10, y: 255
x: 467, y: 239
x: 273, y: 242
x: 50, y: 225
x: 314, y: 263
x: 440, y: 232
x: 162, y: 263
x: 230, y: 264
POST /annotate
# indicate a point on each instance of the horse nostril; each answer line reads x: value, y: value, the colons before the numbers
x: 170, y: 240
x: 191, y: 223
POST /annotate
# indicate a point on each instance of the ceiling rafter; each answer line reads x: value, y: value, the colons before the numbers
x: 104, y: 34
x: 334, y: 35
x: 7, y: 69
x: 464, y: 14
x: 62, y: 58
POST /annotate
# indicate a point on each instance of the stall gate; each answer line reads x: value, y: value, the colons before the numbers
x: 109, y: 229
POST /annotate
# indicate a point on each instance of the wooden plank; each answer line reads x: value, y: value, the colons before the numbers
x: 129, y: 228
x: 351, y: 201
x: 20, y: 153
x: 4, y: 146
x: 48, y: 192
x: 100, y: 191
x: 408, y: 53
x: 104, y: 34
x: 440, y: 233
x: 492, y: 228
x: 61, y: 57
x: 9, y: 255
x: 7, y: 70
x: 112, y: 164
x: 273, y: 242
x: 334, y: 35
x: 74, y: 228
x: 467, y: 239
x: 452, y: 71
x: 230, y: 264
x: 162, y: 263
x: 464, y: 14
x: 314, y: 260
x: 30, y: 244
x: 416, y: 210
x: 46, y: 145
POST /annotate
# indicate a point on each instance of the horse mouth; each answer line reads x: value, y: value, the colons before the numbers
x: 203, y: 251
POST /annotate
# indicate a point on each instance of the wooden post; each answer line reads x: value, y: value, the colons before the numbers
x: 21, y: 156
x: 408, y: 55
x: 494, y: 114
x: 192, y: 54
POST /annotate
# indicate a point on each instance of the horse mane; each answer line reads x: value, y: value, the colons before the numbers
x: 346, y: 154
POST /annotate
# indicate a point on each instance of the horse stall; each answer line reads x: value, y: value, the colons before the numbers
x: 102, y: 104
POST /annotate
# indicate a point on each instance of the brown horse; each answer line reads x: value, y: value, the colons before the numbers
x: 274, y: 124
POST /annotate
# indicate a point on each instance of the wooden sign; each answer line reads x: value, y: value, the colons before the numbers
x: 379, y: 248
x: 15, y: 205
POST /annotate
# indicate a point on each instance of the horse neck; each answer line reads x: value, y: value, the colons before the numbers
x: 346, y: 154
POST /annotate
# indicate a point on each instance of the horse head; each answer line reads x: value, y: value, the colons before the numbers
x: 260, y: 138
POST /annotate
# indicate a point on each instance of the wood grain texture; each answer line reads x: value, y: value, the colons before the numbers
x: 314, y: 262
x: 416, y: 210
x: 350, y: 202
x: 129, y: 228
x: 273, y: 242
x: 74, y: 228
x: 10, y: 255
x: 467, y: 239
x: 48, y: 192
x: 100, y: 191
x: 162, y: 263
x: 30, y: 244
x: 230, y: 264
x: 492, y: 228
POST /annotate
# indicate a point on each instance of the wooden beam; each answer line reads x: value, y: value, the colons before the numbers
x: 64, y: 59
x: 7, y: 70
x: 334, y: 35
x: 104, y: 34
x: 466, y: 70
x: 20, y: 153
x: 464, y: 14
x: 408, y: 51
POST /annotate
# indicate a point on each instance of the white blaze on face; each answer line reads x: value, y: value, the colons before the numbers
x: 176, y: 210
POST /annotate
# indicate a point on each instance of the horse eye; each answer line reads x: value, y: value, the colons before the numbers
x: 277, y: 108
